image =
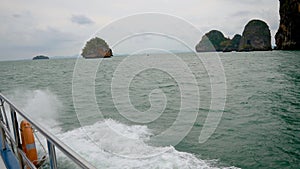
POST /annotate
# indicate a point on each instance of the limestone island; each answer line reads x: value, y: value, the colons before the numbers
x: 216, y: 41
x: 256, y: 37
x: 96, y: 48
x: 288, y: 36
x: 40, y: 57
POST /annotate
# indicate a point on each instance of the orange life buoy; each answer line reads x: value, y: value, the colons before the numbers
x: 28, y: 143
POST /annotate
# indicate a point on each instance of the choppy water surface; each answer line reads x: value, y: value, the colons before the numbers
x: 260, y: 126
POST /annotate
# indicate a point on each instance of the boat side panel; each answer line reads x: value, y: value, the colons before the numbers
x: 9, y: 157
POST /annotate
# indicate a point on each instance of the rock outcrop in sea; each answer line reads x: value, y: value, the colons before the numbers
x: 212, y: 41
x: 256, y: 37
x: 288, y: 34
x: 216, y: 41
x: 40, y: 57
x: 96, y: 48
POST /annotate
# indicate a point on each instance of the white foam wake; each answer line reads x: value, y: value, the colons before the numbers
x: 105, y: 148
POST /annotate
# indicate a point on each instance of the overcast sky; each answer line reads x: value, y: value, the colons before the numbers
x: 60, y: 27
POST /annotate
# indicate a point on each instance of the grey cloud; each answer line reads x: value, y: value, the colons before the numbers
x: 241, y: 13
x: 16, y: 15
x: 81, y: 20
x: 244, y: 1
x: 22, y: 14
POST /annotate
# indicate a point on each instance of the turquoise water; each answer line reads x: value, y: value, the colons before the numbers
x: 260, y: 126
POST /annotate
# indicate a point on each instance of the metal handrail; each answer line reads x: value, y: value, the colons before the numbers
x: 52, y: 141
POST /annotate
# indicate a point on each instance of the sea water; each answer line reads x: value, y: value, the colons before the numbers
x: 259, y: 128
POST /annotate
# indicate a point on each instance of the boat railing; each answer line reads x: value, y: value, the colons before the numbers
x: 12, y: 138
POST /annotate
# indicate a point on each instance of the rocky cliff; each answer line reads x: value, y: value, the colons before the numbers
x: 216, y: 41
x: 212, y: 41
x: 96, y: 48
x: 256, y: 37
x: 288, y: 34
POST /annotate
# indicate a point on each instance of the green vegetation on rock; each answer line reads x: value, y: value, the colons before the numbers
x: 233, y: 44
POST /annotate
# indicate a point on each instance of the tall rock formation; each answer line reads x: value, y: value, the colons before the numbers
x: 212, y: 41
x: 288, y: 34
x: 96, y: 48
x: 256, y: 37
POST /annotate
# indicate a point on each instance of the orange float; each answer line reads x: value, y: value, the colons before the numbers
x: 28, y: 143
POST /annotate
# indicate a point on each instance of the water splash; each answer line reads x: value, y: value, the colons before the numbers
x: 42, y: 105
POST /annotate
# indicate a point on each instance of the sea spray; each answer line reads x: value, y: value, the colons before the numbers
x: 42, y: 105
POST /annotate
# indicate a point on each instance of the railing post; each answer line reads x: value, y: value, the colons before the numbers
x: 16, y: 133
x: 15, y: 127
x: 1, y: 104
x: 3, y: 146
x: 52, y: 155
x: 4, y: 114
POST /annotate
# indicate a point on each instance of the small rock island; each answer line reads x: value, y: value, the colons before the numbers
x: 256, y: 37
x: 288, y: 35
x: 96, y: 48
x: 39, y: 57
